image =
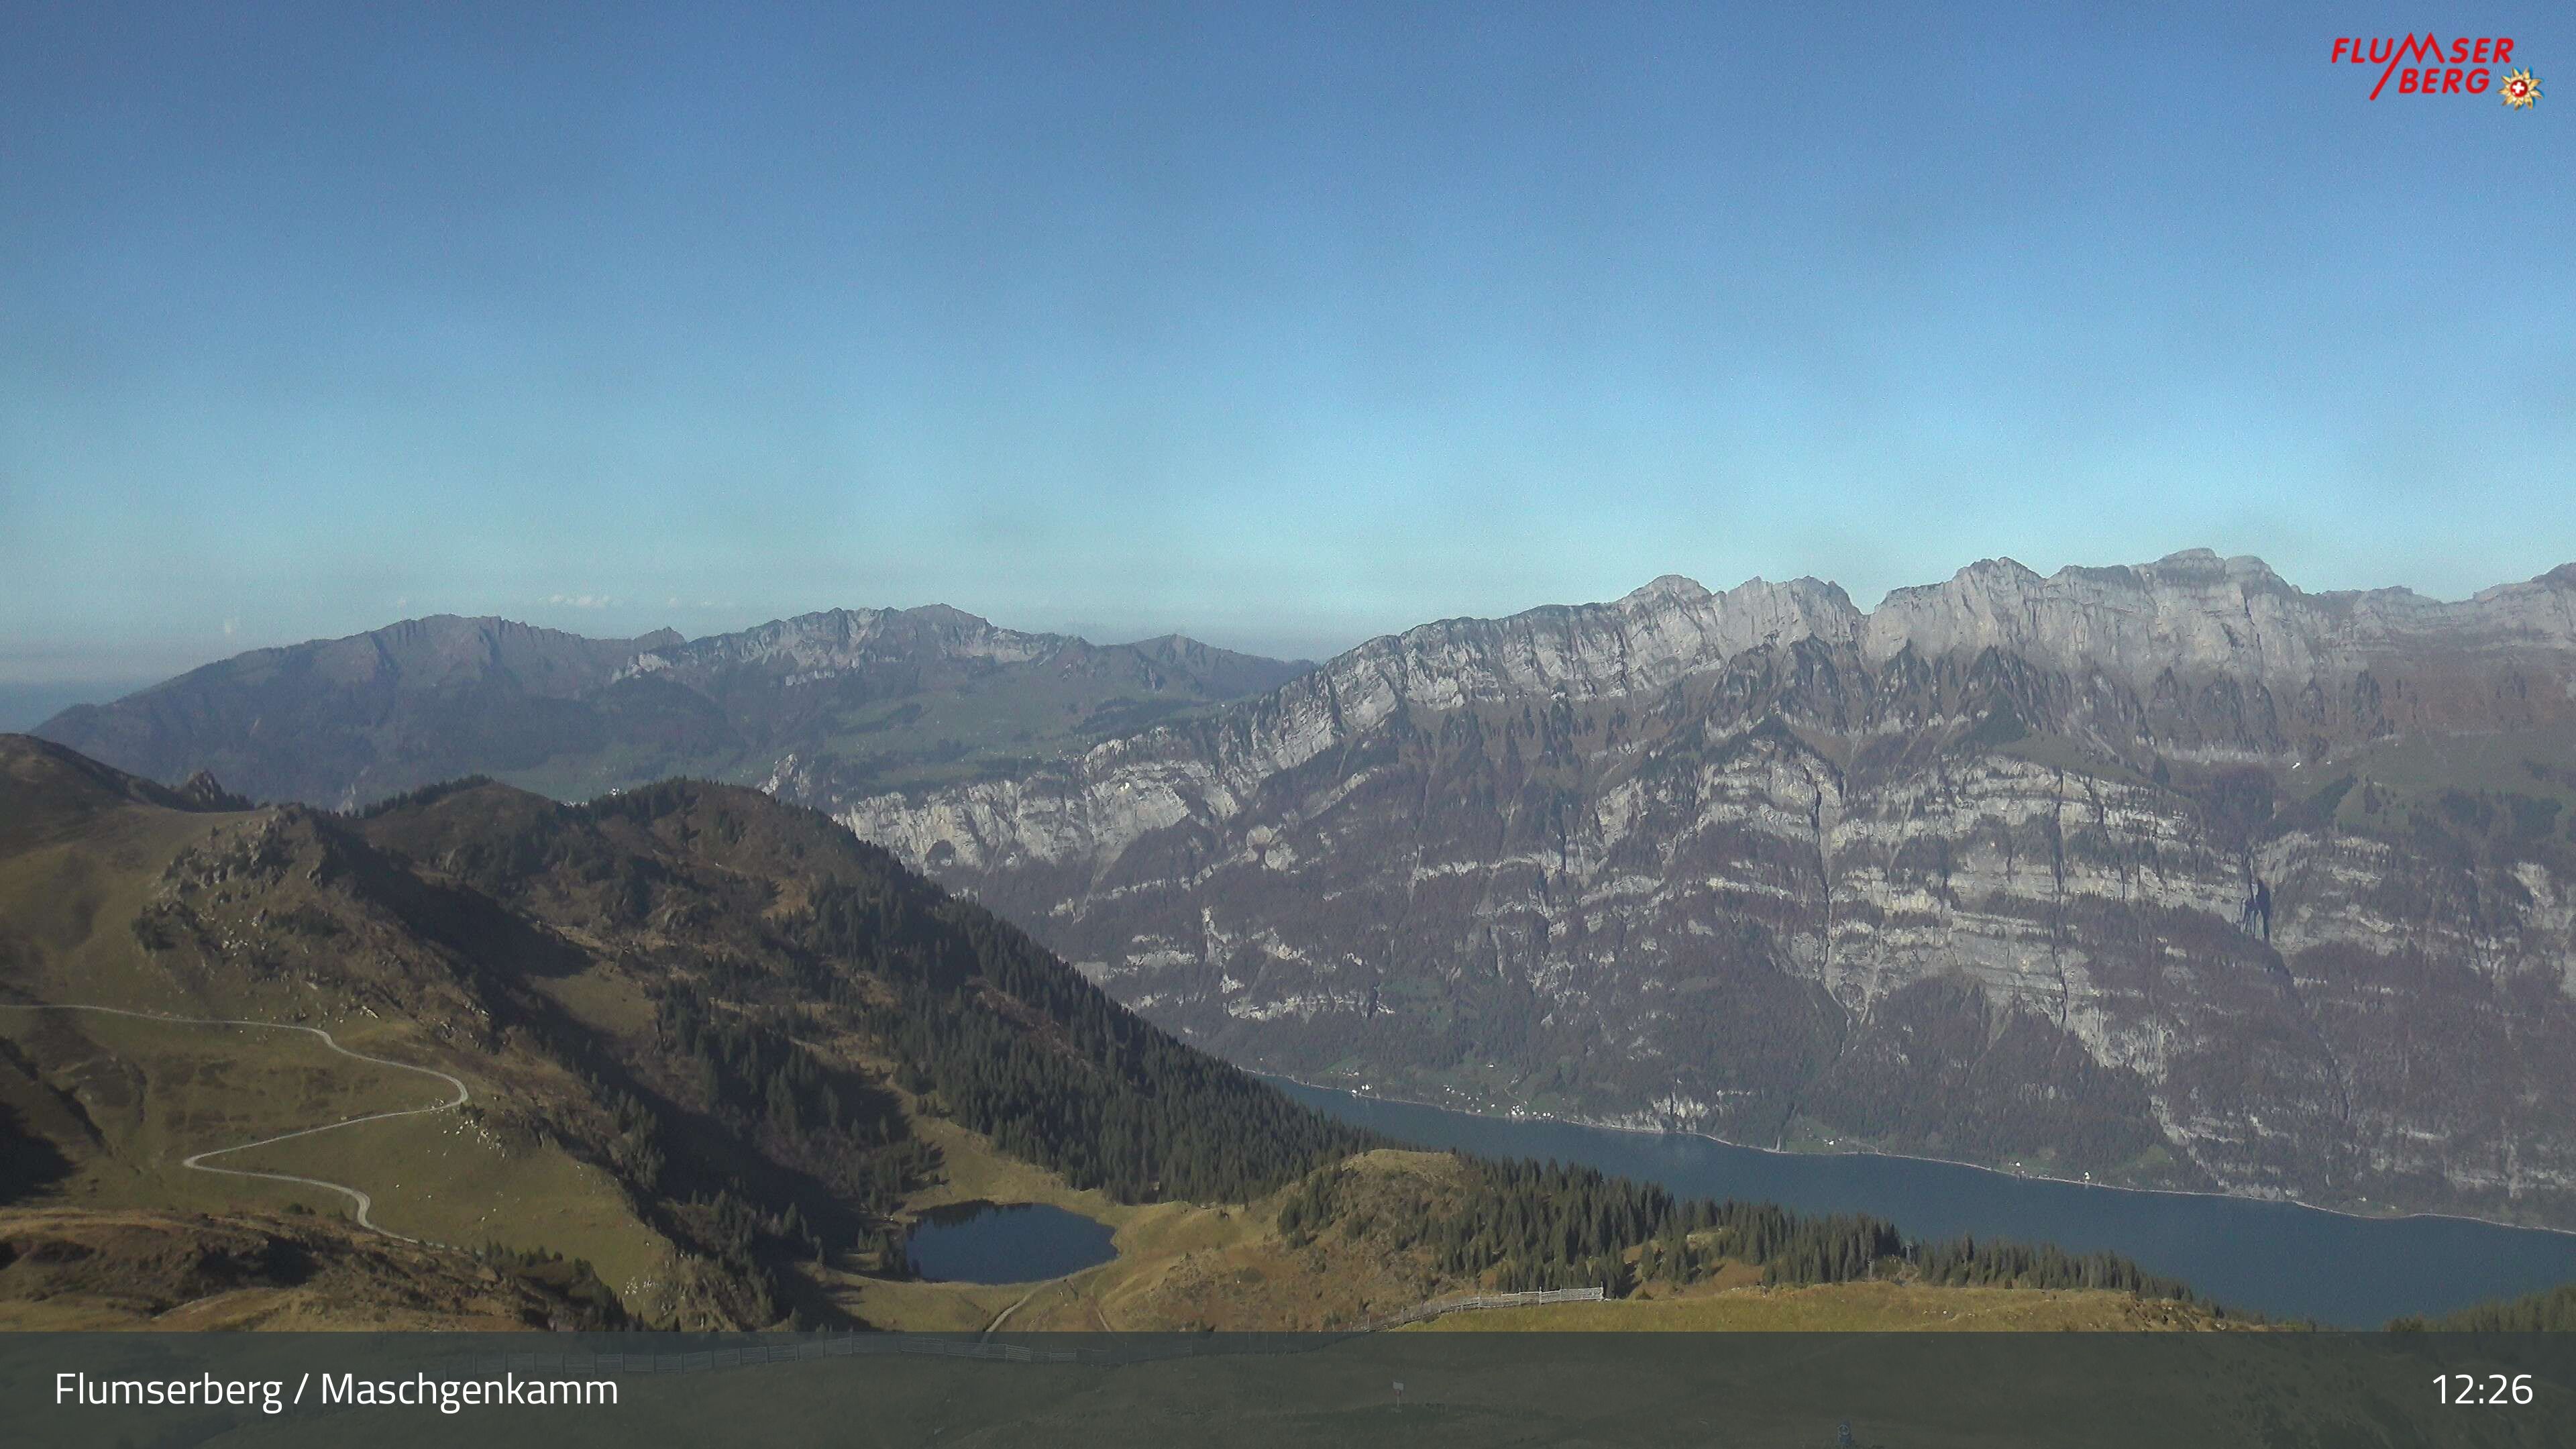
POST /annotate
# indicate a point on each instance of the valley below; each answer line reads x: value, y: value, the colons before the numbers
x: 2169, y: 877
x: 691, y: 1058
x: 2288, y: 1261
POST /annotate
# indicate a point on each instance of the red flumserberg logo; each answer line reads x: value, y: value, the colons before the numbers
x: 2423, y: 65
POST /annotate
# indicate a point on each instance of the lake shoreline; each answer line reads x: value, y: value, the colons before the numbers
x: 1374, y: 1095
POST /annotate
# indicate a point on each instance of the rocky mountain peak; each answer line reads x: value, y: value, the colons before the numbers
x: 1670, y: 588
x: 945, y: 617
x: 2193, y: 614
x: 2190, y: 559
x: 205, y: 792
x: 2195, y: 611
x: 1801, y: 608
x: 2202, y: 567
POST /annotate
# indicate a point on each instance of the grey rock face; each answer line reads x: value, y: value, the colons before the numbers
x: 2169, y: 874
x: 837, y: 640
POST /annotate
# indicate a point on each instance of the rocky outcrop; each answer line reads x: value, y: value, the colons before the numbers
x: 836, y: 640
x: 893, y: 652
x: 2169, y: 874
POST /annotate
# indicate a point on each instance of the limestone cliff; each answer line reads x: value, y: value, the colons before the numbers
x: 2168, y: 874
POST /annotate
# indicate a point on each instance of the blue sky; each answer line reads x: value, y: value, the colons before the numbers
x: 1282, y: 325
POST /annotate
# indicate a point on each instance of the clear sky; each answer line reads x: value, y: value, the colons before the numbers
x: 1283, y: 325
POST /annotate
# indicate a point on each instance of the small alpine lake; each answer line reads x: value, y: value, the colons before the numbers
x: 984, y: 1242
x: 2278, y: 1258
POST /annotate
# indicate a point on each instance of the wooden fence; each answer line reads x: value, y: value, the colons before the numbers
x: 873, y: 1345
x: 1425, y: 1312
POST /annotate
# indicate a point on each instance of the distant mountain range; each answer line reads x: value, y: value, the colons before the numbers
x: 866, y: 699
x: 2171, y: 874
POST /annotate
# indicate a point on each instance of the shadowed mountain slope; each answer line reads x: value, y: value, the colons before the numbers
x: 699, y: 1059
x: 697, y: 1026
x: 870, y: 698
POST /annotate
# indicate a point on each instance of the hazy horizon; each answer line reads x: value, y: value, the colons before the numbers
x: 25, y: 703
x: 1279, y: 330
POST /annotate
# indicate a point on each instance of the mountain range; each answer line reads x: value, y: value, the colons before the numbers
x: 867, y: 699
x: 2170, y: 875
x: 689, y: 1056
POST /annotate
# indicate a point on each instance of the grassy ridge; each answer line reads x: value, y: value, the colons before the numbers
x: 689, y: 1014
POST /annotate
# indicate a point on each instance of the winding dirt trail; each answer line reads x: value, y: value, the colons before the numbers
x: 1000, y: 1318
x: 365, y: 1204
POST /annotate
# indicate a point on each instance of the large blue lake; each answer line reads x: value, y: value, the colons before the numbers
x: 2284, y: 1260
